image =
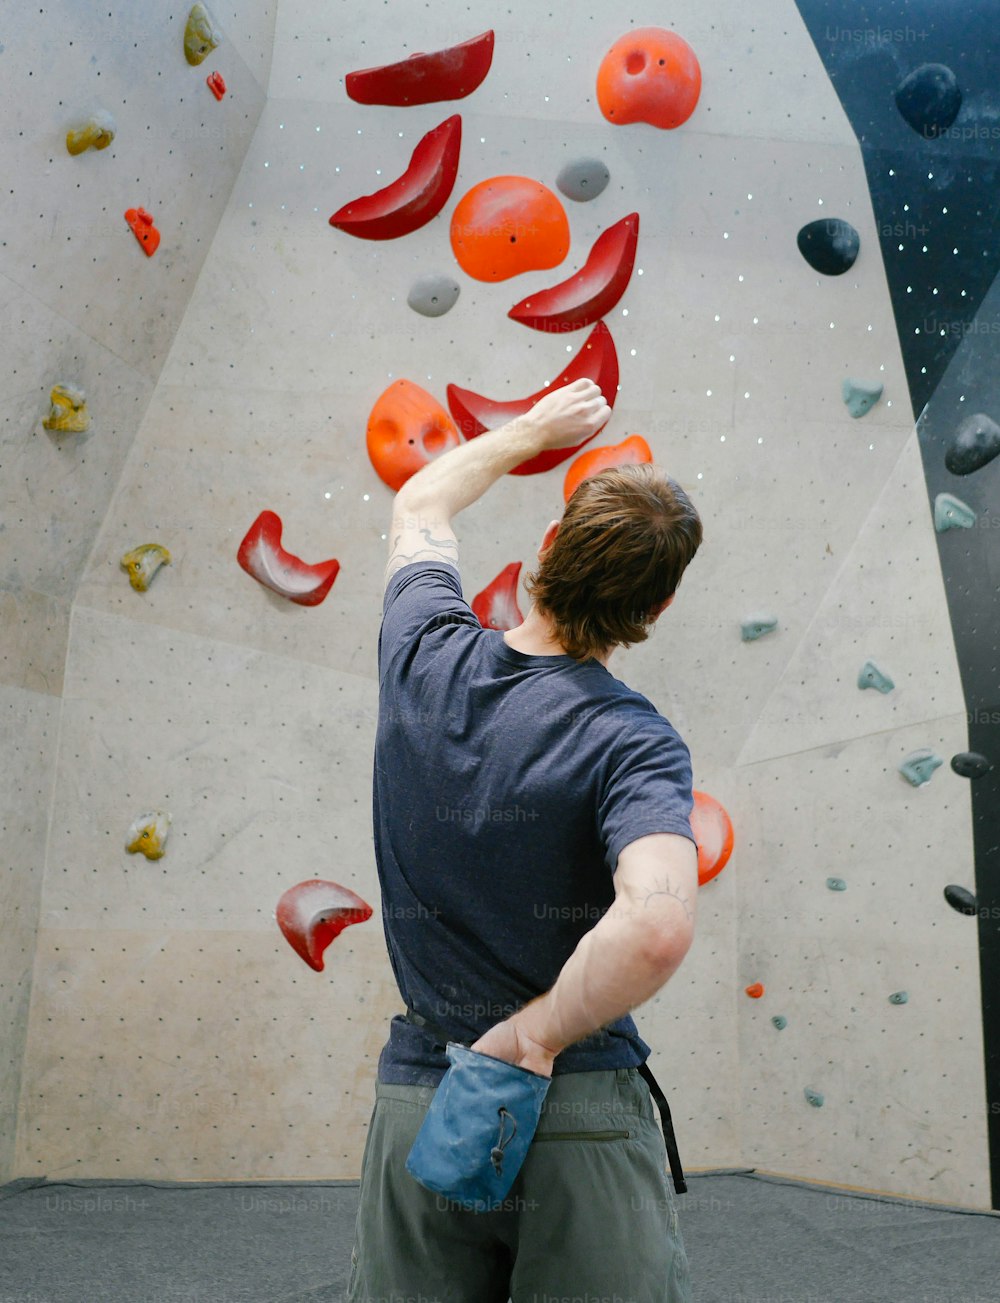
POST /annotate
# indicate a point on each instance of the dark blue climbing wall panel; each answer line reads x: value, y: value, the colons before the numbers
x: 933, y: 176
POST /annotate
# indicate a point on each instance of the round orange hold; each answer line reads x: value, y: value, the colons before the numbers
x: 713, y: 831
x: 509, y: 225
x: 629, y: 452
x: 407, y: 428
x: 649, y: 75
x: 755, y: 991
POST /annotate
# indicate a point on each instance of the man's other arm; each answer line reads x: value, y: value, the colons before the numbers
x: 619, y: 964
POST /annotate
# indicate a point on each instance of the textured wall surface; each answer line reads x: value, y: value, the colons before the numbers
x: 172, y: 1031
x: 80, y: 304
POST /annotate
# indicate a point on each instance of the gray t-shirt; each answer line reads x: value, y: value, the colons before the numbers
x: 505, y: 786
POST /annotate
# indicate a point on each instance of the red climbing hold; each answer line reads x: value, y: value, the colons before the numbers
x: 649, y: 75
x: 755, y: 991
x: 713, y: 831
x: 413, y: 199
x: 262, y: 556
x: 425, y: 78
x: 629, y: 452
x: 143, y: 229
x: 313, y: 913
x: 216, y: 84
x: 597, y: 360
x: 592, y: 292
x: 496, y: 606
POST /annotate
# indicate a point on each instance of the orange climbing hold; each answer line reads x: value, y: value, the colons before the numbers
x: 649, y: 75
x: 713, y: 831
x: 755, y: 991
x: 509, y: 225
x: 629, y: 452
x: 407, y: 428
x: 143, y: 229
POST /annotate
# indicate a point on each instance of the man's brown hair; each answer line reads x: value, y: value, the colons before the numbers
x: 624, y: 541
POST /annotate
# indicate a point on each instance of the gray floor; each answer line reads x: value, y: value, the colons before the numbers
x: 750, y: 1239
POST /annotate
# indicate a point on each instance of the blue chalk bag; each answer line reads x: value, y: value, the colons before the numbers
x: 476, y: 1134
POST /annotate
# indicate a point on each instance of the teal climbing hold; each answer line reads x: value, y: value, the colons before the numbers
x: 780, y: 1021
x: 870, y: 676
x: 814, y: 1097
x: 952, y: 513
x: 756, y: 626
x: 918, y: 766
x: 836, y: 884
x: 859, y: 397
x: 898, y: 997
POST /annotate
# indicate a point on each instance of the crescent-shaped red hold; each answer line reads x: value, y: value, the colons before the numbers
x: 597, y: 360
x: 425, y: 78
x: 262, y: 556
x: 593, y: 291
x: 313, y: 913
x: 496, y: 606
x: 412, y: 199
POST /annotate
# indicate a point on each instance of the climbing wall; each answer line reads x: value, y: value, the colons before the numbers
x: 173, y: 1031
x: 83, y: 307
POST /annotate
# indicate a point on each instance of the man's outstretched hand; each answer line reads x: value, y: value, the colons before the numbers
x: 569, y: 415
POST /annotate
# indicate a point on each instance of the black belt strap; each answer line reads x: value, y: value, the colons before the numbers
x: 676, y: 1171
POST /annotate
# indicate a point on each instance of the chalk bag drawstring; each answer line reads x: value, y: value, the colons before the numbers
x: 496, y: 1153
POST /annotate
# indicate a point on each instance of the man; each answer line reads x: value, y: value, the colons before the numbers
x: 538, y: 876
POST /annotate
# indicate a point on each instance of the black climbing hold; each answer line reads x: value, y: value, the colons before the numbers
x: 970, y: 764
x: 960, y: 899
x: 583, y: 180
x: 929, y: 99
x: 974, y: 446
x: 829, y: 245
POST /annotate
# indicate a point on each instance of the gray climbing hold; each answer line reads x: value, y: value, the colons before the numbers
x: 952, y: 513
x: 829, y: 245
x: 814, y: 1097
x: 970, y: 764
x: 870, y: 676
x: 780, y: 1021
x: 434, y: 296
x: 836, y: 884
x: 859, y: 397
x: 974, y: 446
x: 929, y: 99
x: 584, y: 179
x: 918, y: 766
x: 756, y: 626
x: 898, y: 997
x: 960, y: 899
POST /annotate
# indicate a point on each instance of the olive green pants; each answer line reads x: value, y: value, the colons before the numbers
x: 590, y: 1218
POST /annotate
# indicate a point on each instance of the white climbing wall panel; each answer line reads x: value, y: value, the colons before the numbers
x: 173, y: 1031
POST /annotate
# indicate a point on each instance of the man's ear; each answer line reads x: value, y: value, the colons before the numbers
x: 548, y: 537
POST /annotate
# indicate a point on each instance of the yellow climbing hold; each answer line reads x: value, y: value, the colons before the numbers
x: 148, y: 835
x: 201, y: 35
x: 142, y: 564
x: 69, y: 410
x: 97, y: 132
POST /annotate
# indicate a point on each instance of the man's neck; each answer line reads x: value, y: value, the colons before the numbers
x: 535, y: 638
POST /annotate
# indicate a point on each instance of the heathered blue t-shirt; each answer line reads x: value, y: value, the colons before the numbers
x: 505, y: 786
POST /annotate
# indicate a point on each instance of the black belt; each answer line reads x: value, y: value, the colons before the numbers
x: 676, y: 1171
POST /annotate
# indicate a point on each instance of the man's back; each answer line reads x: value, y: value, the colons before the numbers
x: 505, y: 787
